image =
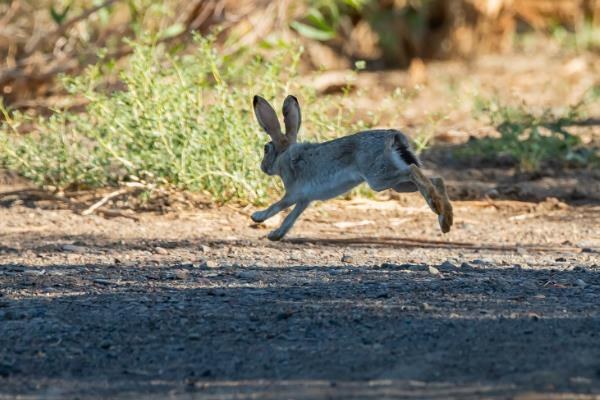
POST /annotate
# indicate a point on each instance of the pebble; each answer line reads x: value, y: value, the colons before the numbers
x: 447, y: 266
x: 208, y: 264
x: 73, y: 248
x: 247, y: 274
x: 587, y: 250
x: 35, y: 272
x: 417, y: 268
x: 560, y: 259
x: 434, y: 270
x: 106, y: 344
x: 581, y: 283
x: 181, y: 274
x: 160, y: 250
x: 467, y: 266
x: 103, y: 281
x: 347, y: 259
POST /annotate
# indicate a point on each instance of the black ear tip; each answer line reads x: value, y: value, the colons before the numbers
x: 255, y: 99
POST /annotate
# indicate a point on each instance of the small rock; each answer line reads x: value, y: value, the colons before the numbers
x: 433, y: 270
x: 426, y: 307
x: 168, y: 275
x: 521, y: 250
x: 467, y: 266
x: 35, y: 272
x: 105, y: 344
x: 181, y: 274
x: 285, y: 315
x: 560, y: 259
x: 204, y: 248
x: 534, y: 316
x: 73, y: 248
x: 247, y: 274
x: 447, y: 266
x: 347, y: 259
x: 481, y: 261
x: 208, y: 264
x: 160, y: 250
x: 581, y: 283
x: 417, y: 268
x: 587, y: 250
x: 396, y: 266
x: 103, y: 281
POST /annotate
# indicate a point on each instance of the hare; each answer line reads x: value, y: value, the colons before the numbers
x: 320, y: 171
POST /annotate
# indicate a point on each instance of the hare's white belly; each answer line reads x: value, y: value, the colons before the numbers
x: 325, y: 185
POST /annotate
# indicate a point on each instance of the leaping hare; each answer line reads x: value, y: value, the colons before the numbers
x: 321, y: 171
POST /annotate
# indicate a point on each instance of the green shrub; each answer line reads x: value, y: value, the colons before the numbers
x: 528, y: 139
x: 184, y: 121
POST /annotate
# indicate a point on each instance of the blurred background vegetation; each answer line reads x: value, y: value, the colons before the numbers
x: 100, y: 93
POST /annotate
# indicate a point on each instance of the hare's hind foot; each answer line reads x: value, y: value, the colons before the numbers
x: 446, y: 218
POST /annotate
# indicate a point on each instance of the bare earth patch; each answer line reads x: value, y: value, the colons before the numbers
x: 364, y: 299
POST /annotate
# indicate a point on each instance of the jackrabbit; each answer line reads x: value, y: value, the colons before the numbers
x: 320, y: 171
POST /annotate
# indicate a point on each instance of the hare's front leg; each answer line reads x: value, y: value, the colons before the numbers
x: 289, y: 221
x: 260, y: 216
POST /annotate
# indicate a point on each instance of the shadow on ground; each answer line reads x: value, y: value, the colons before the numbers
x: 298, y: 332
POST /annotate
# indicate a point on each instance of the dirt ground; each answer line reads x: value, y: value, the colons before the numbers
x: 364, y: 299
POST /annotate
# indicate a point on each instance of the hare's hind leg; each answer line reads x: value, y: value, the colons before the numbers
x: 260, y: 216
x: 289, y: 221
x: 426, y: 188
x: 434, y: 192
x: 446, y: 218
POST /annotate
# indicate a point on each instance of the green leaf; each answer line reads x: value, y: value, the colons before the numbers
x: 59, y: 17
x: 311, y: 32
x: 173, y: 30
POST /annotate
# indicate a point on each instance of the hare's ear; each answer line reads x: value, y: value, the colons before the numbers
x: 291, y: 117
x: 266, y: 116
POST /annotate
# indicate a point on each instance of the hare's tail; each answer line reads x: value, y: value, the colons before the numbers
x: 400, y: 152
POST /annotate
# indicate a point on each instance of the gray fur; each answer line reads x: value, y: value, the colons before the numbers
x: 321, y: 171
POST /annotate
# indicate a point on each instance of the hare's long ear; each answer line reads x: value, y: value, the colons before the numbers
x: 292, y: 118
x: 267, y: 118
